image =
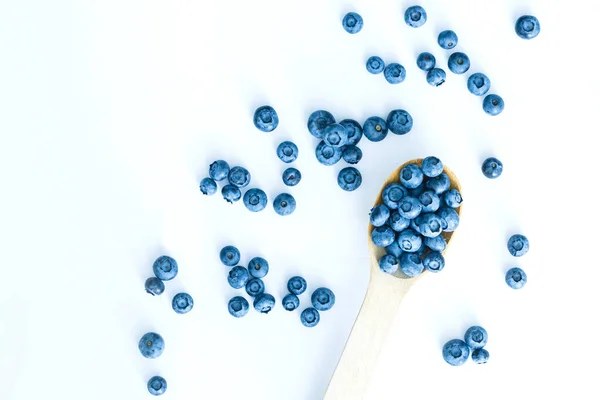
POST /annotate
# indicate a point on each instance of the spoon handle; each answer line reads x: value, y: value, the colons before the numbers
x: 351, y: 377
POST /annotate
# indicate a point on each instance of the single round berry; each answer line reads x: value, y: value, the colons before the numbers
x: 394, y: 250
x: 379, y: 215
x: 397, y: 222
x: 392, y: 194
x: 453, y: 198
x: 394, y: 73
x: 265, y: 119
x: 154, y: 286
x: 284, y: 204
x: 208, y: 186
x: 518, y: 245
x: 430, y: 224
x: 411, y: 176
x: 437, y: 243
x: 296, y: 285
x: 455, y: 352
x: 415, y: 16
x: 218, y: 170
x: 492, y: 168
x: 434, y: 262
x: 182, y: 303
x: 157, y: 385
x: 516, y: 278
x: 409, y: 241
x: 255, y: 287
x: 322, y: 299
x: 430, y: 201
x: 493, y: 104
x: 388, y: 264
x: 411, y: 264
x: 447, y: 39
x: 476, y: 337
x: 349, y: 179
x: 290, y: 302
x: 459, y: 63
x: 383, y: 236
x: 258, y: 267
x: 439, y: 184
x: 375, y: 129
x: 375, y: 65
x: 527, y: 27
x: 352, y: 154
x: 238, y: 277
x: 165, y: 268
x: 287, y: 152
x: 478, y: 84
x: 231, y: 193
x: 328, y: 155
x: 426, y: 61
x: 255, y: 200
x: 335, y: 135
x: 151, y: 345
x: 239, y: 176
x: 480, y: 356
x: 399, y: 122
x: 264, y: 303
x: 353, y: 130
x: 409, y: 207
x: 436, y: 77
x: 352, y: 22
x: 319, y: 120
x: 229, y: 256
x: 310, y: 317
x: 449, y: 218
x: 291, y: 177
x: 238, y: 306
x: 432, y: 166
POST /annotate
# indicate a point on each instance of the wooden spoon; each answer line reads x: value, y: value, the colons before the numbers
x: 384, y: 295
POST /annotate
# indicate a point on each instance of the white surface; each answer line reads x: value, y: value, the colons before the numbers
x: 111, y: 111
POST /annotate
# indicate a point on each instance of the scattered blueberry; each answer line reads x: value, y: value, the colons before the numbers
x: 415, y: 16
x: 516, y: 278
x: 399, y: 122
x: 409, y: 207
x: 264, y: 303
x: 527, y: 27
x: 284, y: 204
x: 182, y: 303
x: 151, y: 345
x: 238, y: 277
x: 239, y: 176
x: 383, y: 236
x: 255, y: 200
x: 426, y: 61
x: 258, y: 267
x: 394, y: 250
x: 476, y: 337
x: 375, y: 65
x: 411, y: 264
x: 432, y: 166
x: 411, y: 176
x: 392, y: 194
x: 319, y: 120
x: 287, y: 152
x: 449, y: 218
x: 453, y: 198
x: 493, y: 104
x: 459, y: 63
x: 478, y: 84
x: 434, y: 261
x: 310, y: 317
x: 352, y: 22
x: 328, y: 155
x: 353, y: 129
x: 447, y: 39
x: 296, y: 285
x: 437, y: 243
x: 397, y: 222
x: 154, y: 286
x: 388, y: 264
x: 238, y: 306
x: 352, y: 154
x: 157, y: 385
x: 394, y: 73
x: 430, y: 224
x: 218, y: 170
x: 165, y: 268
x: 375, y: 129
x: 291, y: 177
x: 436, y: 76
x: 290, y: 302
x: 255, y: 286
x: 230, y: 256
x: 379, y: 215
x: 480, y: 356
x: 208, y: 186
x: 335, y: 135
x: 231, y: 193
x: 518, y: 245
x: 409, y: 241
x: 265, y: 119
x: 455, y: 352
x: 430, y: 201
x: 492, y: 168
x: 439, y: 184
x: 322, y: 299
x: 349, y: 179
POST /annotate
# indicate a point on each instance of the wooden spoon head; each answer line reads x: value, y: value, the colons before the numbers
x: 376, y: 252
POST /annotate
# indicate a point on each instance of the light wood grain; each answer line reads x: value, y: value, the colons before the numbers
x: 382, y: 300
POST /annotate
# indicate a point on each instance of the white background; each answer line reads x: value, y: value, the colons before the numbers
x: 111, y: 112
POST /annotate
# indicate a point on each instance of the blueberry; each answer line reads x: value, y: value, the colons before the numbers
x: 426, y: 61
x: 439, y: 184
x: 352, y: 154
x: 322, y: 299
x: 375, y: 129
x: 255, y: 200
x: 182, y: 303
x: 455, y: 352
x: 453, y: 198
x: 399, y: 122
x: 151, y: 345
x: 208, y: 186
x: 238, y: 277
x: 284, y: 204
x: 394, y: 73
x: 296, y: 285
x: 310, y: 317
x: 430, y: 201
x: 291, y: 177
x: 527, y: 27
x: 335, y: 135
x: 409, y: 207
x: 239, y: 176
x: 516, y: 278
x: 476, y: 337
x: 414, y: 224
x: 319, y: 120
x: 157, y: 385
x: 290, y: 302
x: 353, y: 129
x: 411, y: 176
x: 392, y: 194
x: 518, y: 245
x: 265, y: 119
x: 411, y: 264
x: 397, y: 222
x: 449, y: 219
x: 394, y: 250
x: 434, y: 261
x: 480, y: 356
x: 375, y: 65
x: 493, y: 104
x: 258, y: 267
x: 478, y: 84
x: 165, y: 268
x: 379, y: 215
x: 255, y: 287
x: 383, y: 236
x: 409, y: 241
x: 328, y: 155
x: 459, y: 63
x: 436, y: 76
x: 154, y: 286
x: 415, y: 16
x: 437, y: 243
x: 231, y: 193
x: 349, y: 179
x: 432, y: 166
x: 287, y: 152
x: 492, y: 168
x: 388, y: 264
x: 430, y: 224
x: 447, y: 39
x: 264, y: 303
x: 230, y: 255
x: 218, y: 170
x: 238, y: 306
x: 352, y: 22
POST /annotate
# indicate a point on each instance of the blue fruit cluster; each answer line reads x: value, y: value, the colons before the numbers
x: 456, y: 351
x: 285, y: 204
x: 310, y: 317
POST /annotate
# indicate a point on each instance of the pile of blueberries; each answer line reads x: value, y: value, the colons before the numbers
x: 414, y: 213
x: 456, y: 351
